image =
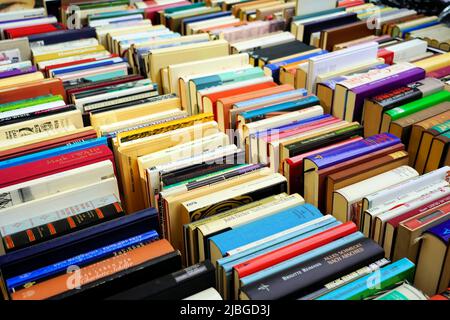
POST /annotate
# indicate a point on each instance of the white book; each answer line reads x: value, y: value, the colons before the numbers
x: 405, y: 51
x: 338, y: 60
x: 52, y: 208
x: 101, y: 22
x: 194, y: 27
x: 250, y: 130
x: 102, y: 31
x: 23, y: 14
x: 151, y: 32
x: 405, y: 291
x: 380, y: 220
x: 17, y: 65
x: 313, y: 6
x: 380, y: 197
x: 153, y: 174
x: 42, y: 187
x: 347, y: 201
x: 369, y: 215
x: 208, y: 294
x: 94, y: 55
x: 80, y: 43
x: 115, y: 60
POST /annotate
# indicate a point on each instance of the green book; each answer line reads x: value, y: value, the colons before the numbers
x: 182, y: 8
x: 413, y: 107
x: 29, y: 102
x: 96, y: 5
x: 373, y: 283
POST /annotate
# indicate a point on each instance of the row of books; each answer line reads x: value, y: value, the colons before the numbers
x: 214, y: 165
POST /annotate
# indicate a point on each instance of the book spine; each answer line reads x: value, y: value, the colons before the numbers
x: 70, y: 224
x: 297, y: 280
x: 285, y: 253
x: 36, y: 276
x: 94, y: 272
x: 355, y: 149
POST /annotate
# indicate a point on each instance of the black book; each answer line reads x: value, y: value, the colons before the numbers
x: 125, y: 279
x: 36, y: 114
x: 262, y: 56
x: 319, y: 25
x: 174, y: 286
x: 309, y: 276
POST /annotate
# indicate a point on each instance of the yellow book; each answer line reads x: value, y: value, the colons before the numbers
x: 21, y: 79
x: 434, y: 63
x: 127, y: 154
x: 397, y: 31
x: 67, y: 53
x: 162, y: 58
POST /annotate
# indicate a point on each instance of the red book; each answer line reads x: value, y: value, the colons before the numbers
x: 31, y: 30
x: 151, y: 13
x: 350, y: 3
x: 52, y: 165
x: 292, y: 250
x: 387, y: 55
x: 47, y: 144
x: 296, y: 165
x: 47, y: 69
x: 33, y: 89
x: 210, y: 101
x: 442, y: 296
x: 439, y: 73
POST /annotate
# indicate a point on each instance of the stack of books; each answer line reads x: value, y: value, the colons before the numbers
x: 224, y: 150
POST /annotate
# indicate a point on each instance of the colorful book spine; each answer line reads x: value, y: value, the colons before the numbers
x: 353, y: 150
x: 415, y: 106
x: 228, y: 77
x: 298, y: 280
x: 81, y: 259
x: 45, y: 232
x: 262, y: 228
x: 367, y: 286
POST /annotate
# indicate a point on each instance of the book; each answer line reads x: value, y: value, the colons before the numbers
x: 403, y: 292
x: 434, y: 63
x: 330, y: 37
x: 208, y: 294
x: 298, y: 280
x: 174, y: 286
x: 432, y: 274
x: 222, y: 243
x: 347, y: 201
x: 362, y: 288
x: 412, y: 107
x: 439, y: 155
x: 377, y: 105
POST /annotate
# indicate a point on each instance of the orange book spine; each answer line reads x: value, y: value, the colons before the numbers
x: 93, y: 272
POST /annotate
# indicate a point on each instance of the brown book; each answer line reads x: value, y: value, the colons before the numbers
x: 95, y: 271
x: 402, y: 127
x: 315, y: 181
x: 363, y: 171
x: 389, y: 26
x: 333, y: 36
x: 418, y: 129
x: 438, y: 156
x: 426, y: 141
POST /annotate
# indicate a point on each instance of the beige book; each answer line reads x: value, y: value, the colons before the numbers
x: 170, y: 155
x: 162, y: 58
x: 21, y: 79
x: 173, y: 204
x: 159, y: 105
x: 127, y: 154
x: 129, y: 30
x: 34, y: 126
x: 102, y: 31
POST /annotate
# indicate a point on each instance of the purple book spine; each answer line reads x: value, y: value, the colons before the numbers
x: 16, y: 72
x: 353, y: 150
x: 383, y: 85
x: 442, y: 231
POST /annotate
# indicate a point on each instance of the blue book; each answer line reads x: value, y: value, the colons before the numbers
x: 349, y: 151
x: 226, y: 264
x: 76, y: 146
x: 317, y: 14
x: 259, y: 114
x: 243, y: 235
x: 70, y: 245
x: 88, y: 65
x: 369, y: 285
x: 301, y: 258
x: 331, y: 83
x: 63, y: 36
x: 275, y: 67
x: 404, y: 32
x: 81, y: 259
x: 107, y: 75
